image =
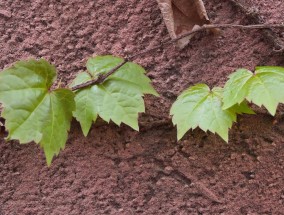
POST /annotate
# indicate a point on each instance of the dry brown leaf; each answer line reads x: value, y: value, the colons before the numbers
x: 183, y: 16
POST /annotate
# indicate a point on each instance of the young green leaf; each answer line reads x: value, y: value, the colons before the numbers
x: 201, y: 107
x: 261, y: 88
x: 242, y: 108
x: 102, y: 64
x: 130, y: 72
x: 118, y: 99
x: 31, y: 111
x: 235, y: 89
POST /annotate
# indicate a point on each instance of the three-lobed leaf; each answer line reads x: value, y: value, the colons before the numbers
x: 119, y: 98
x: 129, y: 72
x: 263, y: 87
x: 33, y: 112
x: 201, y: 107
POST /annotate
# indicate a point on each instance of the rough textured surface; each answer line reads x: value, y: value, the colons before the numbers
x: 119, y: 171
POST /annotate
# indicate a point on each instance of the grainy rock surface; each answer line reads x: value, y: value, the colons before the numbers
x: 119, y: 171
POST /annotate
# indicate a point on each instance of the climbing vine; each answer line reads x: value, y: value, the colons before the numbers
x: 112, y: 88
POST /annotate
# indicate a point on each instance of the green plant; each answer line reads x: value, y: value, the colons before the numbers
x: 113, y: 88
x: 216, y: 110
x: 35, y: 112
x: 264, y: 87
x: 118, y: 99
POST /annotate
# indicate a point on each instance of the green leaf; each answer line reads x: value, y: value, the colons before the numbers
x: 119, y: 101
x: 242, y: 108
x: 200, y: 107
x: 129, y: 72
x: 119, y: 98
x: 86, y: 111
x: 102, y: 64
x: 277, y: 70
x: 235, y: 90
x: 81, y: 77
x: 57, y: 123
x: 32, y: 112
x: 261, y: 88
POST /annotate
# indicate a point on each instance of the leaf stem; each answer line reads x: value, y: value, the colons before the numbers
x: 103, y: 77
x: 100, y: 79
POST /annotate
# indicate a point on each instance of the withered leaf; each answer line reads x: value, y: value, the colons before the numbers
x: 183, y: 16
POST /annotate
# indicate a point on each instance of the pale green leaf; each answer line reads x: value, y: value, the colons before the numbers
x: 29, y: 105
x: 134, y: 73
x: 242, y: 108
x: 102, y: 64
x: 86, y: 111
x: 113, y: 100
x: 81, y: 77
x: 200, y: 107
x: 119, y: 98
x: 57, y: 124
x: 262, y: 88
x: 129, y: 72
x: 119, y: 101
x: 277, y: 70
x: 236, y: 88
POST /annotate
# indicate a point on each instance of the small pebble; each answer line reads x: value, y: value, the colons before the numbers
x: 5, y: 13
x: 168, y: 170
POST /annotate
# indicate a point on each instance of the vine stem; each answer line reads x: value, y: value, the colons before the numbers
x: 103, y: 77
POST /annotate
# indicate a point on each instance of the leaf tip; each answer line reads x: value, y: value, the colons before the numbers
x: 180, y: 135
x: 135, y: 127
x: 48, y: 158
x: 49, y: 154
x: 155, y: 93
x: 272, y: 111
x: 224, y: 136
x: 227, y: 105
x: 85, y: 133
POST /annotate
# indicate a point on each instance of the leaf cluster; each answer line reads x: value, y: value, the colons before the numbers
x: 215, y: 110
x: 35, y: 112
